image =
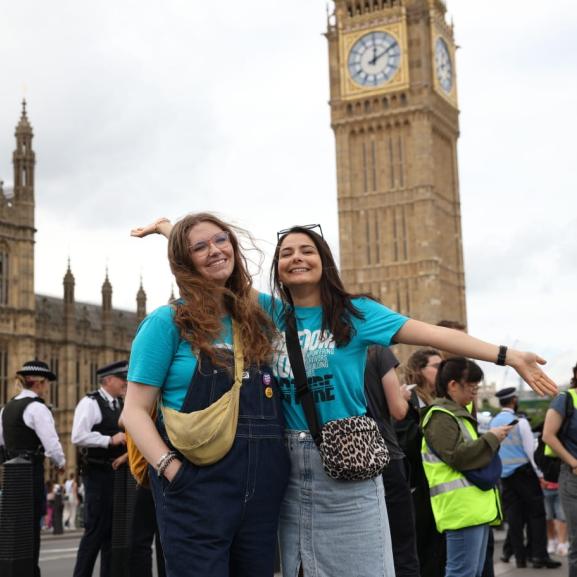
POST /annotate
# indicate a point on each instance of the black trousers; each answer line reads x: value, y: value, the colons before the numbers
x: 98, y: 495
x: 38, y: 510
x: 523, y: 501
x: 401, y: 519
x: 431, y: 546
x: 144, y: 532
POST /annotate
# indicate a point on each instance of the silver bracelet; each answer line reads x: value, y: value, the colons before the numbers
x: 164, y: 461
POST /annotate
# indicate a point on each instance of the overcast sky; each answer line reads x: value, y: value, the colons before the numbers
x: 143, y: 108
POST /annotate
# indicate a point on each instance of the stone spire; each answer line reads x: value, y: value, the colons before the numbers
x: 68, y: 283
x: 106, y: 295
x: 23, y: 159
x: 140, y: 303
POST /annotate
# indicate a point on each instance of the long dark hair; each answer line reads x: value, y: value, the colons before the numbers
x: 457, y: 369
x: 198, y: 317
x: 573, y: 383
x: 337, y: 305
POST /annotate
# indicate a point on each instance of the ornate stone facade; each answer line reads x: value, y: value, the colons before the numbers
x: 73, y: 337
x: 396, y: 124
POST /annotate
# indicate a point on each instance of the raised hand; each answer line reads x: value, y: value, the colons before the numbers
x: 527, y: 366
x: 161, y: 226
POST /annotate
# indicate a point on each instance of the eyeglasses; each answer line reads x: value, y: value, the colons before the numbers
x: 219, y: 240
x: 284, y: 231
x: 472, y: 386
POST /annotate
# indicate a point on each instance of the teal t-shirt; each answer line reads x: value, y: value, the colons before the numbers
x: 335, y: 374
x: 161, y: 358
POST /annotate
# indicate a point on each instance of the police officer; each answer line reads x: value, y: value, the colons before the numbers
x: 96, y: 432
x: 522, y: 494
x: 27, y: 430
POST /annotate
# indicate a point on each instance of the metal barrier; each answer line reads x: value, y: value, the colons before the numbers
x: 124, y: 494
x: 16, y: 519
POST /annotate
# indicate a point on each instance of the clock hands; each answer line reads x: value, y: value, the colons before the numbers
x: 376, y: 56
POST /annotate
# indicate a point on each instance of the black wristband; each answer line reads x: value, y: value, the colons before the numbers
x: 501, y: 356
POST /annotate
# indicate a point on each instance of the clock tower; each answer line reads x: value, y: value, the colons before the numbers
x: 396, y: 122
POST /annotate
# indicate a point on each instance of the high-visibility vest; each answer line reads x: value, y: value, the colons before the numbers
x: 456, y: 502
x: 512, y: 452
x: 549, y: 452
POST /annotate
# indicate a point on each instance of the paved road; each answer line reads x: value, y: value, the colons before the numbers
x: 509, y: 569
x: 58, y: 554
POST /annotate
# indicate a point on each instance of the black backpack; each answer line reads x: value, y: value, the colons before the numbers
x: 551, y: 466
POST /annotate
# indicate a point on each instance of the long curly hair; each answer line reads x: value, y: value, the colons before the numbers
x: 413, y: 372
x: 198, y: 313
x: 338, y: 308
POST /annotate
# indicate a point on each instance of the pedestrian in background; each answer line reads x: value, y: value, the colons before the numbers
x: 451, y: 448
x: 70, y: 502
x: 421, y: 372
x: 521, y: 484
x: 27, y: 430
x: 560, y: 433
x: 96, y: 432
x: 387, y: 399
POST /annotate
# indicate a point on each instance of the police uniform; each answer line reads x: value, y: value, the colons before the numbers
x: 522, y: 495
x: 95, y: 423
x: 27, y: 430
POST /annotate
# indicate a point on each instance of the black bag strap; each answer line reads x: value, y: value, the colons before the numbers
x: 569, y: 409
x: 303, y: 394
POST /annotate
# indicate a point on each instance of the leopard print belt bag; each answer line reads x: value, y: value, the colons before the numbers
x: 351, y: 449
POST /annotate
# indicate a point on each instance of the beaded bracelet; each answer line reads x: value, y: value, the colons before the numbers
x: 164, y: 461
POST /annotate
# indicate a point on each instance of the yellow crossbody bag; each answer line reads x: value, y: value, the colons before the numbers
x: 204, y: 437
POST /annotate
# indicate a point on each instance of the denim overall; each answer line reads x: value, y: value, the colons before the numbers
x: 221, y: 520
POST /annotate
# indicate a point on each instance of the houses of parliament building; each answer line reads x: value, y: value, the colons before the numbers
x: 73, y: 337
x: 394, y: 113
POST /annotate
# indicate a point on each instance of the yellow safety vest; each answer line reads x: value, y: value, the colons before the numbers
x: 456, y: 502
x: 549, y: 452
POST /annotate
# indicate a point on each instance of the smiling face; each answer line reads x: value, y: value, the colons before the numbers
x: 211, y: 255
x: 299, y: 262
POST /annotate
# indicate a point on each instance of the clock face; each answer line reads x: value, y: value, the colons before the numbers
x: 443, y: 65
x: 374, y: 59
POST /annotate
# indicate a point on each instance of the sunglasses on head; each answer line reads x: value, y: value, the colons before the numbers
x: 284, y: 231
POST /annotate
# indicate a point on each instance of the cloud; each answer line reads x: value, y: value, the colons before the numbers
x: 141, y: 110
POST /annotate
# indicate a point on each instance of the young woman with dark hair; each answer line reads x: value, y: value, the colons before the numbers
x: 335, y: 329
x: 421, y: 370
x: 221, y: 519
x: 333, y: 528
x: 451, y: 448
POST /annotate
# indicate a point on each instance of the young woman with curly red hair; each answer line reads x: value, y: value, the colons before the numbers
x: 220, y: 519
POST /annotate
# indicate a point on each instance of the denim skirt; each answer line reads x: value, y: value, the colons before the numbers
x: 333, y: 528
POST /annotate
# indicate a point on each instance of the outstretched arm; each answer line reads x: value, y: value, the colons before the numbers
x: 525, y: 363
x: 161, y: 226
